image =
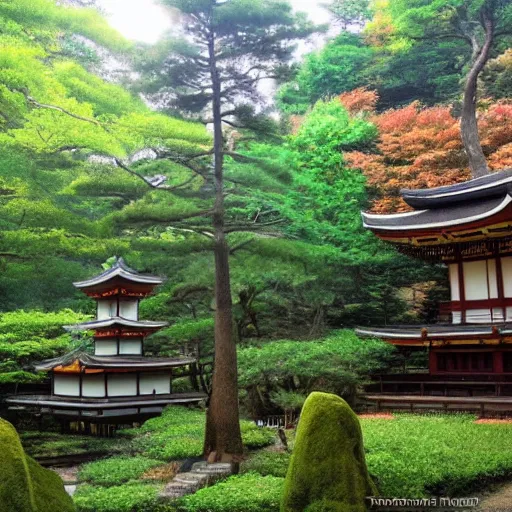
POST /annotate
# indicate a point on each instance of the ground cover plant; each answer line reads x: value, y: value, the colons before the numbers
x: 52, y: 444
x: 455, y: 456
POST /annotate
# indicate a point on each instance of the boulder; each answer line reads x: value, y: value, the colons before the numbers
x: 25, y: 486
x: 327, y: 471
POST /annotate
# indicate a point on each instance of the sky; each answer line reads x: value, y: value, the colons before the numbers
x: 145, y: 20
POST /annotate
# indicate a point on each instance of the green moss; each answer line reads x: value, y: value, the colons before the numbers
x: 327, y: 471
x: 25, y: 486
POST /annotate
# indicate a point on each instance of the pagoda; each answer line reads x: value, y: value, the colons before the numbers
x: 467, y: 227
x: 118, y: 383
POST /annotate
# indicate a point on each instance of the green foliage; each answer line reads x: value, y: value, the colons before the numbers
x: 26, y: 486
x: 338, y: 363
x: 336, y: 68
x: 455, y: 456
x: 244, y: 493
x: 134, y: 497
x: 267, y: 463
x: 30, y: 336
x: 328, y: 462
x: 179, y: 432
x: 115, y: 470
x: 51, y: 444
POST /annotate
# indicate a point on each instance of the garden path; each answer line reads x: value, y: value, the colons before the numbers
x: 498, y: 501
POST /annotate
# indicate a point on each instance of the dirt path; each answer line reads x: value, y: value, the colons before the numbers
x: 498, y: 501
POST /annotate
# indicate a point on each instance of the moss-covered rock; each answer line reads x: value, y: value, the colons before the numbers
x: 25, y: 486
x: 327, y: 472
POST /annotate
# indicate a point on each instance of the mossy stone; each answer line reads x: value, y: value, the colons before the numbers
x: 327, y: 471
x: 25, y: 486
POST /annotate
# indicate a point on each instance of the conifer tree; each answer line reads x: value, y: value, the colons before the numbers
x: 228, y: 48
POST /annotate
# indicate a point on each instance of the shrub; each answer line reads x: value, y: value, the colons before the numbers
x: 133, y: 497
x: 242, y: 493
x: 267, y: 463
x: 116, y: 470
x: 256, y: 437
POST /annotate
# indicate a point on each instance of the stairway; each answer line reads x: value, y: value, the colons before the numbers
x: 201, y: 475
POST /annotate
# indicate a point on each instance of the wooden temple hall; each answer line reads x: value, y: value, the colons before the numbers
x: 117, y: 384
x: 467, y: 227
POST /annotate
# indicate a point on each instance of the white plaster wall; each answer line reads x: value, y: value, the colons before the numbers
x: 160, y: 382
x: 456, y: 317
x: 453, y: 269
x: 497, y: 315
x: 478, y: 316
x: 106, y: 309
x: 93, y: 384
x: 508, y: 312
x: 475, y: 280
x: 105, y: 347
x: 506, y: 265
x: 122, y: 384
x: 493, y: 279
x: 128, y: 309
x: 67, y: 385
x: 130, y: 347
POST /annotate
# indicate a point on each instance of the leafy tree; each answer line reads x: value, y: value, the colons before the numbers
x: 350, y: 13
x: 421, y: 147
x: 479, y: 24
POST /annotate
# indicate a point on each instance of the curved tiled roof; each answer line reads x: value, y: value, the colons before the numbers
x: 115, y: 320
x: 454, y: 215
x: 492, y: 185
x: 120, y: 269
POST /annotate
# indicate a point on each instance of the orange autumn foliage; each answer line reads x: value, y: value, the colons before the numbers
x: 359, y: 100
x: 421, y: 148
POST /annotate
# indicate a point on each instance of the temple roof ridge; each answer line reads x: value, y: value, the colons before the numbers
x: 119, y: 269
x: 496, y: 184
x: 115, y: 320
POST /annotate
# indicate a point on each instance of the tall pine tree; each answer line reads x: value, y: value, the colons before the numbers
x: 228, y: 47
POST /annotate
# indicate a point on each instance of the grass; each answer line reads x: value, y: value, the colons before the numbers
x: 51, y: 444
x: 417, y: 456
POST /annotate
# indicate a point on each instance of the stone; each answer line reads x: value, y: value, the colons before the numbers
x: 327, y: 471
x: 26, y: 486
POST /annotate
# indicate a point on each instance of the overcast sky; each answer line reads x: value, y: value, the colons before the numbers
x: 144, y: 20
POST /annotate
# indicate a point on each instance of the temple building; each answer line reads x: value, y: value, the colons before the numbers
x: 117, y: 383
x: 467, y: 227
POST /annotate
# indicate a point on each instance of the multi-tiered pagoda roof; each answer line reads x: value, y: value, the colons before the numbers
x: 117, y: 382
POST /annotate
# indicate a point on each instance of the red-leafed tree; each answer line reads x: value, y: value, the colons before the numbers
x: 422, y: 148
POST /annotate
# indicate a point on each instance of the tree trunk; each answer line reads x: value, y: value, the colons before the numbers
x: 223, y: 440
x: 469, y: 126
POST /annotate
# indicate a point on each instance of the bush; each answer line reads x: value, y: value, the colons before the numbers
x: 242, y: 493
x: 116, y: 470
x: 267, y: 463
x: 256, y: 437
x: 133, y: 497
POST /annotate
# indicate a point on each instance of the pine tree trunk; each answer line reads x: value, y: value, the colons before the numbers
x: 223, y: 440
x: 469, y: 126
